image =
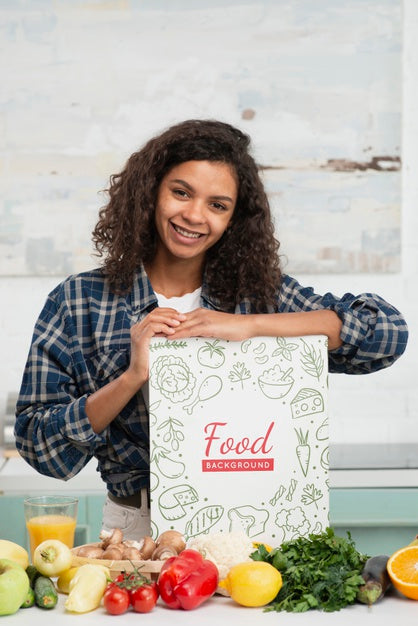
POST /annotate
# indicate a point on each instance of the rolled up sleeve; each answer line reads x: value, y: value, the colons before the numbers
x: 374, y: 333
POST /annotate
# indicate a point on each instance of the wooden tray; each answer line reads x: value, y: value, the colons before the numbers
x: 149, y: 568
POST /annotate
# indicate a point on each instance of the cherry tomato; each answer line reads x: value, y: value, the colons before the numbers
x: 144, y: 598
x: 120, y: 578
x: 116, y: 600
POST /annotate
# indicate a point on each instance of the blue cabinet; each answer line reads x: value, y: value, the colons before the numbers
x: 380, y: 520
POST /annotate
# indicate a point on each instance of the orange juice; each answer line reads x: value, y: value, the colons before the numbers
x: 44, y: 527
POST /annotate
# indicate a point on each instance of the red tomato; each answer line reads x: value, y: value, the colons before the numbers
x: 144, y: 598
x: 116, y: 600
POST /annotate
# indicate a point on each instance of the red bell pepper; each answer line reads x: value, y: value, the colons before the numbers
x: 187, y: 580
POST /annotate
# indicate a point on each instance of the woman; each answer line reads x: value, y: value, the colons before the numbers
x: 189, y: 250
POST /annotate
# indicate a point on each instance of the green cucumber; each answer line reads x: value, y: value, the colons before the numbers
x: 33, y: 574
x: 46, y: 596
x: 29, y: 600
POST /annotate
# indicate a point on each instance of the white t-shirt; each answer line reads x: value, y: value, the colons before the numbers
x: 182, y: 304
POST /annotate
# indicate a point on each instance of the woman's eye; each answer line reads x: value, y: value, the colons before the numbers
x: 219, y: 207
x: 181, y: 193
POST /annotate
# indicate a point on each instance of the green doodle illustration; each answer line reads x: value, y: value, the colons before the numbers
x: 152, y: 412
x: 303, y: 450
x: 203, y: 520
x: 209, y: 388
x: 325, y: 458
x: 311, y: 495
x: 154, y: 531
x: 322, y: 431
x: 292, y: 522
x: 317, y: 529
x: 154, y: 481
x: 285, y: 348
x: 171, y: 344
x: 276, y: 383
x: 173, y: 377
x: 166, y: 466
x: 312, y: 361
x: 249, y: 519
x: 307, y: 402
x: 239, y: 373
x: 245, y: 345
x: 279, y: 493
x: 291, y: 490
x: 173, y: 434
x: 211, y: 354
x: 173, y: 502
x: 260, y: 348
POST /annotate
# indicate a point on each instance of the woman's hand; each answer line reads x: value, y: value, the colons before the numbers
x: 236, y: 327
x: 107, y: 402
x: 207, y: 323
x: 161, y: 322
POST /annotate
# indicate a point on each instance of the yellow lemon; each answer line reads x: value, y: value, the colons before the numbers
x: 253, y: 583
x: 63, y: 582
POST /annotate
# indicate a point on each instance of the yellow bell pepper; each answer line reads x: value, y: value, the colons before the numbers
x: 87, y: 588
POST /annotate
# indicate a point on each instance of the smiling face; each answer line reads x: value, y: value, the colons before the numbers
x: 195, y: 204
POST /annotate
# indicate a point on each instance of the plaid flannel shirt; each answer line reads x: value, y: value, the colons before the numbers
x: 81, y: 342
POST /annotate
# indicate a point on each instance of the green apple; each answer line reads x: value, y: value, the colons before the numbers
x: 14, y: 586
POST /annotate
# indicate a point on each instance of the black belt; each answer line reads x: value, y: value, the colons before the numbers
x: 135, y: 500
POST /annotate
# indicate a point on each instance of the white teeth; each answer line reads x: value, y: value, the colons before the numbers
x: 186, y: 233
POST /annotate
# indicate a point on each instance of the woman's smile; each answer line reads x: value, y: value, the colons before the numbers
x: 186, y: 233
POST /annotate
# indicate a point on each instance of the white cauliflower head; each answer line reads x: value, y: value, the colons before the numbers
x: 223, y: 549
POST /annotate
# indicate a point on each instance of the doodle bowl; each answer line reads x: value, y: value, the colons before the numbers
x: 275, y: 390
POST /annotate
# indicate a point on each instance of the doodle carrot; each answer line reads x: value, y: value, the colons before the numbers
x: 303, y: 450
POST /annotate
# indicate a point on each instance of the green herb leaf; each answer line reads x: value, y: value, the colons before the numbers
x: 321, y: 571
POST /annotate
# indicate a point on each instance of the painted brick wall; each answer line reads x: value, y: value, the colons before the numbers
x: 382, y: 407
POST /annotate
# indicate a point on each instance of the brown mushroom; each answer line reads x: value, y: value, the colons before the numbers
x: 163, y: 552
x: 113, y: 552
x: 115, y: 536
x: 146, y: 547
x: 131, y: 554
x: 90, y: 552
x: 172, y: 538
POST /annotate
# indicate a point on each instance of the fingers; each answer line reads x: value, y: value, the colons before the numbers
x: 159, y: 321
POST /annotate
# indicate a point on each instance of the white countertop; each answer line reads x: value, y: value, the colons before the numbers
x: 393, y: 609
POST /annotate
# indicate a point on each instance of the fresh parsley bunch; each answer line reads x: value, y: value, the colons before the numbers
x: 321, y: 571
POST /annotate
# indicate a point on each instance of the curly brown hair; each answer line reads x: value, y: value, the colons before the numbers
x: 244, y: 263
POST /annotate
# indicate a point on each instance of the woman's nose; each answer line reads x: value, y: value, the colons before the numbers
x: 194, y: 211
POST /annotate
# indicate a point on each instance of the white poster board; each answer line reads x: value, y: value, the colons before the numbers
x: 239, y: 436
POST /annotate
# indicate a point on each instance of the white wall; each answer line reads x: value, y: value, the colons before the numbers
x: 381, y: 407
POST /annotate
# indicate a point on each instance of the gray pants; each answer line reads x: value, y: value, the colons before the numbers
x: 133, y: 522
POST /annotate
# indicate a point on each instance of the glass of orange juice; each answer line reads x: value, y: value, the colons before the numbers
x: 50, y: 517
